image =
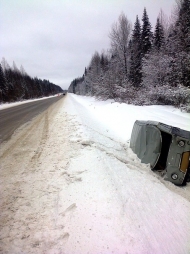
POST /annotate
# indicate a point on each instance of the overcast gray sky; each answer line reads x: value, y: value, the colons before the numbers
x: 55, y: 39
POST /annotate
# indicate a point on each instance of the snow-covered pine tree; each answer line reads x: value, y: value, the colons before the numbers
x: 183, y: 31
x: 156, y: 64
x: 183, y: 23
x: 146, y: 35
x: 24, y: 83
x: 104, y: 61
x: 178, y: 46
x: 3, y: 86
x: 9, y: 80
x: 171, y: 48
x: 85, y: 71
x: 136, y: 57
x: 159, y: 39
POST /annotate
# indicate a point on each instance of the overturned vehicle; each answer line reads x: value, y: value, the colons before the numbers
x: 165, y: 148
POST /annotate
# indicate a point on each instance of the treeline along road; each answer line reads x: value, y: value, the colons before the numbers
x: 13, y: 117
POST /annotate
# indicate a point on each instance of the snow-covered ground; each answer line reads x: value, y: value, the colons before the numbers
x: 75, y: 187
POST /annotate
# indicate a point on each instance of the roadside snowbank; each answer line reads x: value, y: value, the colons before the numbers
x: 13, y: 104
x: 118, y: 118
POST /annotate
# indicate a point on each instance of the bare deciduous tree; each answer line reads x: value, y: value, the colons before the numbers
x: 120, y: 36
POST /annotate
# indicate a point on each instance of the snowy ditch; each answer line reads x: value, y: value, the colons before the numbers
x: 74, y: 185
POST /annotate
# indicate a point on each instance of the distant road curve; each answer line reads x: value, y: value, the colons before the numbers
x: 12, y: 118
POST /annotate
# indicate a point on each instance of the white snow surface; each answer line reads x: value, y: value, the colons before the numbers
x: 98, y: 196
x: 118, y: 118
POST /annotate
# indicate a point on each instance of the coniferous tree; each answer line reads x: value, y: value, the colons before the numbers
x: 178, y: 46
x: 104, y: 62
x: 158, y: 35
x: 17, y: 85
x: 156, y: 65
x: 183, y: 31
x: 146, y: 36
x: 136, y: 58
x: 3, y: 85
x: 183, y: 25
x: 85, y: 71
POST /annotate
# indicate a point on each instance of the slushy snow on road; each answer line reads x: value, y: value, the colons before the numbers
x: 70, y: 184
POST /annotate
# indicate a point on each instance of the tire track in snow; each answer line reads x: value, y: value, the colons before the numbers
x: 32, y: 178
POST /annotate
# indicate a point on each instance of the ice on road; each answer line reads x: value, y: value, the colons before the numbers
x: 70, y: 184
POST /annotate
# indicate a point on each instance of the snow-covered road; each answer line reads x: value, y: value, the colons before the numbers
x: 70, y: 184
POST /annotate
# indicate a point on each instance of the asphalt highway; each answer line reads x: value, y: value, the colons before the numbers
x: 12, y: 118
